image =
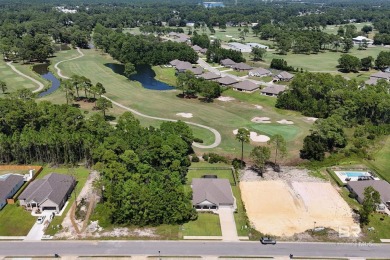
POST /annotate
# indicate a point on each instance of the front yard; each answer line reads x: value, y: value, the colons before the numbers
x: 15, y: 221
x: 207, y: 224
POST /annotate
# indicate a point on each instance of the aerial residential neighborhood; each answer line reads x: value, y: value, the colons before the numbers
x: 195, y: 130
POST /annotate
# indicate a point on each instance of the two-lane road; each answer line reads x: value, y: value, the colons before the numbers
x: 181, y: 248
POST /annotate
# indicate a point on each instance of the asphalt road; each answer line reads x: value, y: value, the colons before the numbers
x: 181, y: 248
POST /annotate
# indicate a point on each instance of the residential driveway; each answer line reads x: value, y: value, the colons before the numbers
x: 228, y: 225
x: 37, y: 231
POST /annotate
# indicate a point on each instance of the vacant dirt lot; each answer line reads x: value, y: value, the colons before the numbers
x: 286, y: 207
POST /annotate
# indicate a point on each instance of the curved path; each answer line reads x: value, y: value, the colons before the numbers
x: 40, y: 85
x: 217, y: 135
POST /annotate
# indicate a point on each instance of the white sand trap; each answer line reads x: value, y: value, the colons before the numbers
x: 311, y: 119
x: 258, y: 106
x: 225, y: 99
x: 186, y: 115
x: 235, y: 131
x: 258, y: 138
x: 262, y: 120
x: 285, y: 122
x: 294, y: 209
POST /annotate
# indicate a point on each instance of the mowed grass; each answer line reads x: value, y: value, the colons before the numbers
x: 382, y: 159
x: 207, y: 224
x: 381, y: 223
x: 223, y: 116
x: 15, y: 221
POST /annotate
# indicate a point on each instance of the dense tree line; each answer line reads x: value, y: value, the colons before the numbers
x: 339, y: 103
x: 191, y: 86
x: 141, y: 49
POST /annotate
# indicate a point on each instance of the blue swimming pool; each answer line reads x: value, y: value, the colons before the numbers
x: 356, y: 174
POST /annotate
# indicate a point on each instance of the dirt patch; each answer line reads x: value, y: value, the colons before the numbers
x: 311, y: 119
x: 185, y: 115
x: 258, y: 106
x: 294, y: 203
x: 262, y: 120
x: 225, y: 99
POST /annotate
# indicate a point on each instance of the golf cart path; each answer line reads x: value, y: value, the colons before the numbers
x: 217, y: 135
x: 40, y: 85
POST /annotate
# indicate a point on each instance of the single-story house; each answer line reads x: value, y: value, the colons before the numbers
x: 174, y: 62
x: 199, y: 49
x: 284, y: 76
x: 9, y: 185
x: 226, y: 81
x: 241, y: 66
x: 227, y: 63
x: 239, y: 47
x: 209, y: 193
x: 182, y: 66
x: 371, y: 81
x: 209, y: 76
x: 381, y: 75
x: 254, y: 44
x: 273, y: 90
x: 196, y: 70
x: 361, y: 39
x: 383, y: 187
x: 49, y: 193
x: 259, y: 72
x: 246, y: 86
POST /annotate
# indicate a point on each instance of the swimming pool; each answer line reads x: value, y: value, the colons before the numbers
x: 356, y: 174
x: 351, y: 175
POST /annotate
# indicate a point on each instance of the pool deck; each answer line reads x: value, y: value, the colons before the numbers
x: 342, y: 176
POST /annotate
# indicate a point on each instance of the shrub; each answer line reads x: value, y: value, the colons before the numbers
x: 205, y: 157
x: 236, y: 163
x: 198, y: 140
x: 194, y: 158
x: 215, y: 158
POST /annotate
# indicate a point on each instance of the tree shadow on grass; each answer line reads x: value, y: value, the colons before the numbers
x: 110, y: 118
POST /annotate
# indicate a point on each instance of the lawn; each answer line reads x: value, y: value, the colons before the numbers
x: 81, y: 175
x: 382, y: 228
x: 207, y: 224
x: 238, y: 73
x: 166, y: 75
x: 211, y: 169
x: 223, y: 116
x: 15, y: 221
x: 381, y: 160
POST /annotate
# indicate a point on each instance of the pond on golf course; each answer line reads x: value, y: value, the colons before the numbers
x: 42, y: 69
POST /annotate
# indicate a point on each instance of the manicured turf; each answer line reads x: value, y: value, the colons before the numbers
x: 382, y: 228
x: 207, y: 224
x: 224, y: 116
x: 15, y: 221
x: 166, y: 75
x: 208, y: 170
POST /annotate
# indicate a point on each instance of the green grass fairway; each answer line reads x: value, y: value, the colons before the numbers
x: 15, y: 221
x: 224, y: 116
x: 207, y: 224
x: 14, y: 81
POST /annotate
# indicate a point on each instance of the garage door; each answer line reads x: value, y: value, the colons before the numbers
x: 49, y: 208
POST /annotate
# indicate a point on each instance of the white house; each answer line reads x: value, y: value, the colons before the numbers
x: 361, y: 39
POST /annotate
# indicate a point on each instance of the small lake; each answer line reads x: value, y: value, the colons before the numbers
x: 145, y: 75
x: 42, y: 69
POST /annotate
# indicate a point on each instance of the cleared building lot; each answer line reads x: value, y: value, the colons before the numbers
x: 283, y: 208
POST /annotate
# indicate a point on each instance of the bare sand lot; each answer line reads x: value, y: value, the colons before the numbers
x: 283, y: 208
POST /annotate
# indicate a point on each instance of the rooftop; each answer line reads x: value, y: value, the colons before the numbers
x: 217, y: 191
x: 209, y: 75
x: 246, y: 85
x: 8, y: 182
x: 383, y: 187
x: 226, y: 80
x: 273, y: 89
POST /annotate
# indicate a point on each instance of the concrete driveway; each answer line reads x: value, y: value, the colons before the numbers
x: 228, y: 225
x: 37, y: 231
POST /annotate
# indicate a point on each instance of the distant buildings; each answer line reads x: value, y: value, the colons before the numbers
x: 245, y: 47
x: 361, y: 39
x: 213, y: 4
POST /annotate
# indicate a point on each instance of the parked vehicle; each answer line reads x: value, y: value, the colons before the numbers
x: 41, y: 219
x: 267, y: 240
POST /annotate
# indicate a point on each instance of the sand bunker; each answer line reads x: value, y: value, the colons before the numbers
x: 285, y: 122
x: 262, y: 120
x: 258, y: 138
x: 258, y: 106
x: 294, y: 208
x: 225, y: 99
x: 312, y: 119
x: 186, y: 115
x: 235, y: 131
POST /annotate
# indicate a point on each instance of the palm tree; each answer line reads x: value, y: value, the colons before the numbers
x: 279, y: 144
x: 242, y: 136
x: 85, y: 84
x: 76, y: 81
x: 3, y: 86
x: 68, y: 87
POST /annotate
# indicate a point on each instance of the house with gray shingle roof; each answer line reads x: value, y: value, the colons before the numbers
x: 226, y: 81
x: 383, y: 187
x: 241, y: 66
x: 208, y: 193
x: 227, y: 63
x: 49, y: 193
x: 246, y: 86
x: 284, y: 76
x: 209, y: 76
x: 381, y: 75
x: 182, y: 66
x: 273, y: 90
x: 259, y: 72
x: 9, y: 185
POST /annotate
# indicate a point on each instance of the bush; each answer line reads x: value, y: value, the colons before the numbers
x: 205, y: 157
x: 198, y: 140
x: 215, y: 158
x: 236, y: 163
x: 194, y: 158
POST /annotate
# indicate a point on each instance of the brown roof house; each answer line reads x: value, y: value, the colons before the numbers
x: 227, y: 63
x: 182, y: 66
x: 49, y: 193
x: 196, y: 70
x: 246, y: 86
x: 199, y: 49
x: 383, y: 187
x: 209, y: 76
x: 241, y: 66
x: 226, y: 81
x: 9, y: 185
x: 209, y: 193
x: 273, y: 90
x: 259, y: 72
x: 284, y: 76
x: 381, y: 75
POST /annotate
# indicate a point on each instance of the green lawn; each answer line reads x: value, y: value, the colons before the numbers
x: 81, y: 175
x: 207, y: 224
x: 221, y: 173
x: 382, y: 159
x: 238, y: 73
x: 223, y: 116
x: 15, y: 221
x: 382, y: 228
x: 166, y: 75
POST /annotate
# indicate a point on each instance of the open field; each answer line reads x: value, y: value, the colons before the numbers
x: 207, y: 224
x: 224, y: 116
x: 295, y: 208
